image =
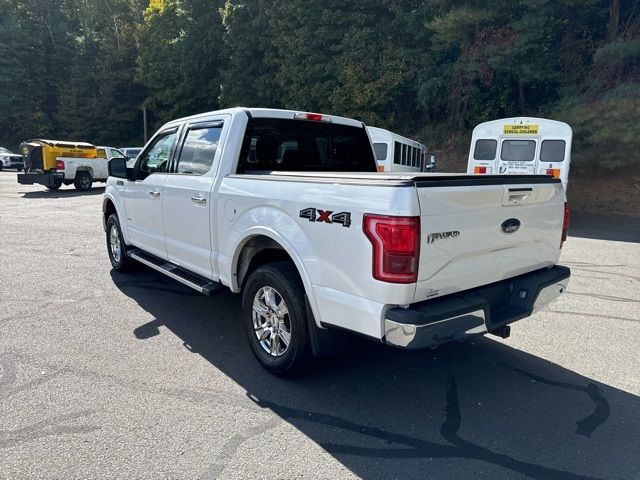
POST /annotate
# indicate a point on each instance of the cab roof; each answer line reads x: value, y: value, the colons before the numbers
x: 263, y: 113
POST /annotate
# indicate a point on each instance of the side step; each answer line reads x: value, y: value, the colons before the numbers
x: 186, y: 277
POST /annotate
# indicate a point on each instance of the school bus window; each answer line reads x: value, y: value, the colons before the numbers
x: 552, y: 150
x: 397, y: 152
x: 380, y: 149
x: 518, y: 150
x: 485, y: 149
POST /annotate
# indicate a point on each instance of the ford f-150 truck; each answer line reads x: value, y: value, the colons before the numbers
x: 287, y: 208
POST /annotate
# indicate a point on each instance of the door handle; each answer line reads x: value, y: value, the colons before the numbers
x: 154, y: 193
x: 199, y: 200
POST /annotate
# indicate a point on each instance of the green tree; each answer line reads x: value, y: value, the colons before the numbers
x: 180, y: 54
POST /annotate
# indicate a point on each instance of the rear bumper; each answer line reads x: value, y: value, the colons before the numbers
x: 48, y: 179
x: 473, y: 312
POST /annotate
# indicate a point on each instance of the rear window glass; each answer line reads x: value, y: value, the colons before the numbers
x: 518, y: 150
x: 552, y: 150
x: 275, y: 144
x: 380, y: 150
x: 485, y: 149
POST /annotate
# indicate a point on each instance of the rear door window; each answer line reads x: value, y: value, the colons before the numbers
x: 552, y: 150
x: 518, y: 150
x: 199, y: 150
x: 274, y: 144
x: 485, y: 149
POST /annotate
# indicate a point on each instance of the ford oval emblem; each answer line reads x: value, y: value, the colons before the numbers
x: 510, y: 226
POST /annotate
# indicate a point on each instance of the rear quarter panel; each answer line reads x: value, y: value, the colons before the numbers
x: 335, y: 262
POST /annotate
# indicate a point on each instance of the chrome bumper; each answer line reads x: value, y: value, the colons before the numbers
x: 470, y: 313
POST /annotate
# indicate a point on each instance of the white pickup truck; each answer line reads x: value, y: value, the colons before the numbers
x: 82, y: 172
x: 287, y: 208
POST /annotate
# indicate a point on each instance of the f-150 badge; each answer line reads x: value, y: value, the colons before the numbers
x: 432, y: 237
x: 326, y: 216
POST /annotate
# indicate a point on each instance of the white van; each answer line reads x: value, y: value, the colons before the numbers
x: 521, y: 145
x: 395, y: 153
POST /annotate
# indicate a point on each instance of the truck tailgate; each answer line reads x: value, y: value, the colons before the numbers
x: 482, y: 229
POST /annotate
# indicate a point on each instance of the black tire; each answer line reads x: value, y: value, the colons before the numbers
x: 285, y: 280
x: 121, y: 263
x: 56, y: 185
x: 0, y: 168
x: 83, y: 181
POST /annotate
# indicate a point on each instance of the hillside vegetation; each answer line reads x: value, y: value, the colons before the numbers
x: 431, y: 69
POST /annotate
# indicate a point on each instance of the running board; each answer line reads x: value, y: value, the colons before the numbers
x: 182, y: 275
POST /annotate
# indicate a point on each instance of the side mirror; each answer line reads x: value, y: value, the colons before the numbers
x: 431, y: 166
x: 118, y: 167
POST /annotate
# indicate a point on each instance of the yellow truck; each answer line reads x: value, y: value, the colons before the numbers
x: 53, y: 163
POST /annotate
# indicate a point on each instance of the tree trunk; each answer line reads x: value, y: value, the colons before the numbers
x: 521, y: 99
x: 614, y: 20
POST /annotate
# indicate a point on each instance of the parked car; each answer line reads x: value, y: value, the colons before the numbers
x: 288, y: 209
x: 131, y: 152
x: 8, y: 159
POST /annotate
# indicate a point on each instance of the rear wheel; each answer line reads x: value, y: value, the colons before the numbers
x: 275, y: 318
x: 57, y: 183
x: 116, y: 248
x: 83, y: 181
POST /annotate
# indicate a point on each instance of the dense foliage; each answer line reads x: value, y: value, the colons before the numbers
x: 83, y: 69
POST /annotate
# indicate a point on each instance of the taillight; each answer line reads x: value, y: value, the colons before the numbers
x: 59, y: 165
x: 565, y: 223
x: 554, y: 172
x: 479, y: 169
x: 396, y: 247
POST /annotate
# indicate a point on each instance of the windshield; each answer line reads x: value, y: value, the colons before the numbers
x: 305, y: 146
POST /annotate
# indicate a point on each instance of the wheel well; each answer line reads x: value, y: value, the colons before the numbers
x: 258, y: 251
x: 88, y: 170
x: 109, y: 209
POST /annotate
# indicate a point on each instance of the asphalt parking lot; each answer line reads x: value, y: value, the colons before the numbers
x: 104, y: 375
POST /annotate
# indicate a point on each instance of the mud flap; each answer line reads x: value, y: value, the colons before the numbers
x: 324, y: 342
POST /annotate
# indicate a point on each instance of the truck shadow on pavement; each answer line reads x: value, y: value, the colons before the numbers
x: 63, y: 193
x: 605, y: 227
x: 475, y: 410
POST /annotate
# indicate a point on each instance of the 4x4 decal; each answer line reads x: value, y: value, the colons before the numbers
x: 326, y: 216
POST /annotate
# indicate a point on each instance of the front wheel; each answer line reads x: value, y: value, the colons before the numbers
x: 116, y: 247
x: 275, y: 318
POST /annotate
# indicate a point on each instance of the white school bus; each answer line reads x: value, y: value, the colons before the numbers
x: 521, y: 145
x: 395, y: 153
